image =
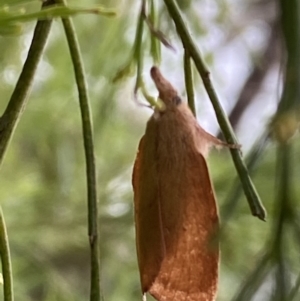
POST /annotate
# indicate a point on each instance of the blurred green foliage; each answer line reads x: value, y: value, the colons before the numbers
x: 43, y: 192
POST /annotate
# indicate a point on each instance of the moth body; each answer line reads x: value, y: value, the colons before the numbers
x: 175, y: 209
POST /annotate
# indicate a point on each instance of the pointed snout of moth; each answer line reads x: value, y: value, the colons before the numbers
x: 166, y: 91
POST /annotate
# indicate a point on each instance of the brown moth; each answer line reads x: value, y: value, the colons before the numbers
x: 176, y: 214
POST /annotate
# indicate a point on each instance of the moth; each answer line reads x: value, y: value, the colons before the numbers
x: 176, y: 216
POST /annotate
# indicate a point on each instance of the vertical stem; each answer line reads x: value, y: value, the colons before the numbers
x: 189, y: 85
x: 137, y: 55
x: 155, y: 44
x: 17, y: 102
x: 290, y: 24
x: 5, y: 261
x: 295, y: 290
x: 255, y: 279
x: 283, y: 214
x: 8, y: 123
x: 88, y: 139
x: 286, y: 120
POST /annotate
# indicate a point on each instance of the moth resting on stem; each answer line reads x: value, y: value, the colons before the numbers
x: 176, y: 216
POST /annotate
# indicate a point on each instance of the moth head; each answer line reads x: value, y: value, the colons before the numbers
x: 167, y: 93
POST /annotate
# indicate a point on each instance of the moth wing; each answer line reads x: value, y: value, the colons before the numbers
x: 175, y: 216
x: 149, y: 241
x: 189, y: 270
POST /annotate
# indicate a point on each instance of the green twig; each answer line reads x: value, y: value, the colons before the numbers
x: 189, y: 84
x: 283, y: 216
x: 155, y: 44
x: 5, y: 261
x: 255, y: 204
x: 290, y: 24
x: 8, y: 123
x: 17, y: 102
x: 138, y: 58
x: 252, y: 160
x: 287, y: 118
x: 294, y: 291
x: 87, y: 129
x: 137, y: 54
x: 255, y: 279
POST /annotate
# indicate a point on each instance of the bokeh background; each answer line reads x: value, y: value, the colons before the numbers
x: 43, y: 186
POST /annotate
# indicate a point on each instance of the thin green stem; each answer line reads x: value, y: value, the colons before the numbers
x: 295, y: 290
x: 87, y: 129
x: 8, y: 123
x: 255, y: 279
x: 137, y: 54
x: 234, y: 195
x: 255, y: 204
x: 17, y: 102
x: 5, y: 261
x: 290, y: 24
x: 283, y: 210
x: 155, y: 44
x: 287, y: 118
x: 189, y: 83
